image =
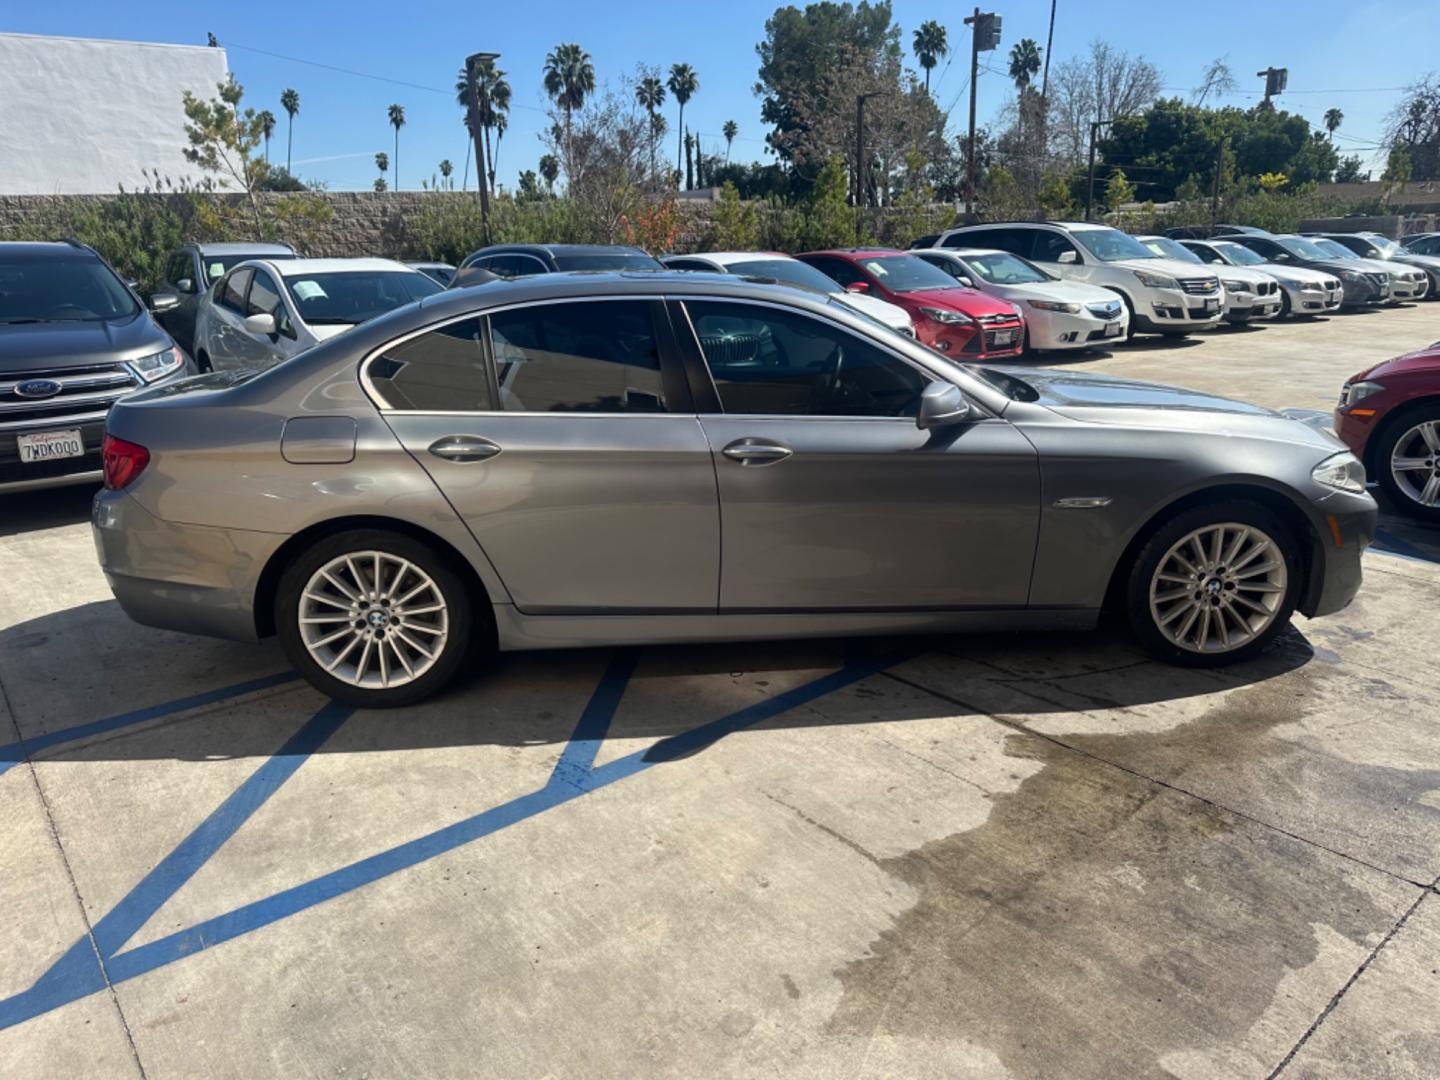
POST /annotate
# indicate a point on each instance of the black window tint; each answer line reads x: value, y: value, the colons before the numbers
x: 180, y: 268
x: 956, y: 240
x: 838, y: 270
x: 439, y: 371
x: 264, y: 296
x: 688, y: 264
x: 774, y: 362
x: 1205, y: 252
x: 580, y: 357
x: 232, y: 295
x: 1050, y: 246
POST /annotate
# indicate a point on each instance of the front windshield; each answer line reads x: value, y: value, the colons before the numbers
x: 1002, y: 268
x: 1334, y: 249
x: 1237, y: 254
x: 1171, y: 249
x: 907, y: 273
x: 790, y: 271
x: 217, y: 266
x: 1304, y: 249
x: 619, y: 260
x: 347, y: 297
x: 1112, y: 245
x: 77, y: 288
x: 1388, y: 248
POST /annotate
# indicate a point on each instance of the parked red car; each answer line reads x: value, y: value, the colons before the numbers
x: 1389, y: 416
x: 961, y: 322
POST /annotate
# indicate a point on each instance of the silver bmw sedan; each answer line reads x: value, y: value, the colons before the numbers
x: 598, y: 459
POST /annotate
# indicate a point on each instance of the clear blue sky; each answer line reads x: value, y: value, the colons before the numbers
x: 1342, y: 49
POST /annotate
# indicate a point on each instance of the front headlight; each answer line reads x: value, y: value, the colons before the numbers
x: 158, y: 365
x: 1353, y: 392
x: 1236, y: 286
x: 945, y: 315
x: 1349, y: 275
x: 1155, y: 281
x: 1055, y: 305
x: 1343, y: 472
x: 1306, y: 286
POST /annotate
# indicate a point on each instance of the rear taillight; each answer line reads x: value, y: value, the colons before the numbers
x: 123, y: 461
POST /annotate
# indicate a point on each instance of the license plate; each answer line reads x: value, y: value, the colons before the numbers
x: 49, y: 445
x: 1212, y: 304
x: 1005, y: 337
x: 1114, y: 329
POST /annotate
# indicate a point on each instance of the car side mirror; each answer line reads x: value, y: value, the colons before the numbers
x: 963, y: 280
x: 162, y: 302
x: 941, y: 405
x: 858, y: 287
x: 185, y: 285
x: 264, y: 323
x: 1067, y: 257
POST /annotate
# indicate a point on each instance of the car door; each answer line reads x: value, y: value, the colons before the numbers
x: 262, y: 350
x: 562, y: 433
x: 226, y: 338
x: 831, y: 498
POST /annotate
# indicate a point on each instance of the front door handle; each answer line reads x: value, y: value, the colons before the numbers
x: 756, y: 452
x: 464, y: 448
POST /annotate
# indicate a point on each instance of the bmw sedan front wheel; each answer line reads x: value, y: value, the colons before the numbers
x: 373, y: 618
x: 1214, y: 585
x: 1407, y: 459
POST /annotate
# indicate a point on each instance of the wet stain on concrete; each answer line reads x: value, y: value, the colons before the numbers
x: 1099, y: 921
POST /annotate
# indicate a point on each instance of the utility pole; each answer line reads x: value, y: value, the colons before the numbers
x: 472, y: 93
x: 1090, y: 184
x: 984, y: 36
x: 1215, y: 190
x: 862, y: 160
x: 1276, y: 79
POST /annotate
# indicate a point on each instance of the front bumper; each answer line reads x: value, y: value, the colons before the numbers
x: 1161, y: 310
x: 1364, y: 290
x: 1245, y: 306
x: 1062, y: 330
x: 1346, y: 529
x: 1409, y: 290
x: 973, y: 341
x: 1314, y: 301
x: 192, y: 578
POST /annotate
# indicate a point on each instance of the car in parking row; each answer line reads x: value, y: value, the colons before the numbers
x: 1249, y: 294
x: 1406, y: 282
x: 1303, y: 292
x: 1381, y: 249
x: 192, y: 269
x: 1361, y: 284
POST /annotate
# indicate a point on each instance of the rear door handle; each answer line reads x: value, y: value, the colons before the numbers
x: 756, y: 452
x: 464, y: 448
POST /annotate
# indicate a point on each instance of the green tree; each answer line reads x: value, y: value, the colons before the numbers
x: 1119, y: 190
x: 689, y: 154
x: 829, y: 217
x: 1054, y: 197
x: 445, y: 170
x: 397, y: 121
x: 382, y: 162
x: 529, y: 189
x: 1333, y: 119
x: 650, y: 95
x: 550, y: 170
x: 1349, y: 170
x: 290, y: 102
x: 1024, y: 63
x: 1414, y: 123
x: 267, y: 128
x: 930, y: 45
x: 223, y: 140
x: 492, y: 94
x: 733, y: 225
x: 1272, y: 182
x: 569, y: 79
x: 1399, y: 170
x: 729, y: 130
x: 683, y: 83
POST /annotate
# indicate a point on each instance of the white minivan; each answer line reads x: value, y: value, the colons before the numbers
x: 1162, y: 296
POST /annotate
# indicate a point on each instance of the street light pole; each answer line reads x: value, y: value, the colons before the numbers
x: 1090, y: 183
x: 984, y: 36
x: 472, y: 94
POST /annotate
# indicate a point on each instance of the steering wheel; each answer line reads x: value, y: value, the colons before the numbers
x: 832, y: 384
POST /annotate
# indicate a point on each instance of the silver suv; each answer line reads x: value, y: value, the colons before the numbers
x: 74, y: 339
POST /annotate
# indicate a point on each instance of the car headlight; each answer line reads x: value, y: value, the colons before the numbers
x: 945, y: 315
x: 1155, y: 281
x: 1236, y: 286
x: 1343, y: 472
x: 1306, y: 286
x: 158, y: 365
x: 1353, y: 392
x: 1054, y: 305
x: 1349, y: 275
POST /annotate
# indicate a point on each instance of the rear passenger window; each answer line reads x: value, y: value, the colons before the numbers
x: 439, y: 371
x: 1050, y: 246
x: 578, y: 357
x: 232, y: 295
x: 264, y: 297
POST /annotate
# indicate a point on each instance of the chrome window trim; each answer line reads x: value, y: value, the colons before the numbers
x: 378, y: 399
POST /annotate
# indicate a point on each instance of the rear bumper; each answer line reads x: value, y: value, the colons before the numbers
x: 191, y: 578
x: 1347, y: 530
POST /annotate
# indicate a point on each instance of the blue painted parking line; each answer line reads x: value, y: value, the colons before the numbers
x: 1387, y: 543
x: 574, y: 776
x: 16, y: 752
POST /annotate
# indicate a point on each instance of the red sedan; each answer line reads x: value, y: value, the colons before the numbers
x: 1389, y: 416
x: 960, y: 322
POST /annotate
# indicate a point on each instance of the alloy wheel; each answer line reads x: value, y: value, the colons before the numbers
x: 1415, y: 463
x: 373, y: 620
x: 1218, y: 588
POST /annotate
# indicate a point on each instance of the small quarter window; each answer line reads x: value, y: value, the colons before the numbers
x: 439, y: 371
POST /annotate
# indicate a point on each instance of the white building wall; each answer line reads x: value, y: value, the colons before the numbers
x: 83, y: 116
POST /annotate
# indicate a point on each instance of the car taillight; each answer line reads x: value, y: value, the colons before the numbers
x: 123, y: 461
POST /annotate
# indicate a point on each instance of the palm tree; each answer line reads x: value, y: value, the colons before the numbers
x: 492, y: 95
x: 382, y: 162
x: 1024, y: 63
x: 502, y: 121
x: 397, y: 121
x: 650, y: 95
x: 569, y: 78
x: 290, y: 102
x: 683, y: 83
x: 445, y: 170
x: 730, y: 130
x: 550, y: 170
x: 930, y: 45
x: 1333, y: 119
x: 1049, y: 41
x: 267, y: 128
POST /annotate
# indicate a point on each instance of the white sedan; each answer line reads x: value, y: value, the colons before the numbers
x: 1058, y: 314
x: 263, y: 312
x: 783, y: 268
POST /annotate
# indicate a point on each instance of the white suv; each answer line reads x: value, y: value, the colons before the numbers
x: 1162, y: 295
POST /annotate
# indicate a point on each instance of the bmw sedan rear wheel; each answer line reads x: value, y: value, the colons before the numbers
x: 1407, y: 459
x: 373, y: 618
x: 1214, y: 585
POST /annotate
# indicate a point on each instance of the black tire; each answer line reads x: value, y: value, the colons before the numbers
x: 1285, y: 306
x: 1137, y: 596
x: 460, y: 615
x: 1395, y: 429
x: 203, y: 363
x: 1130, y: 330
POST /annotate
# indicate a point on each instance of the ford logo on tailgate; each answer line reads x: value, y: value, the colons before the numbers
x: 37, y: 388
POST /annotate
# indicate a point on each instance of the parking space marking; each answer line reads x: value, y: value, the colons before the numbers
x: 1397, y: 548
x: 92, y: 964
x: 16, y: 752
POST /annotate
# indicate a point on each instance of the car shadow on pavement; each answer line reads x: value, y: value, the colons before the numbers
x: 523, y: 699
x: 1160, y: 343
x: 29, y: 511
